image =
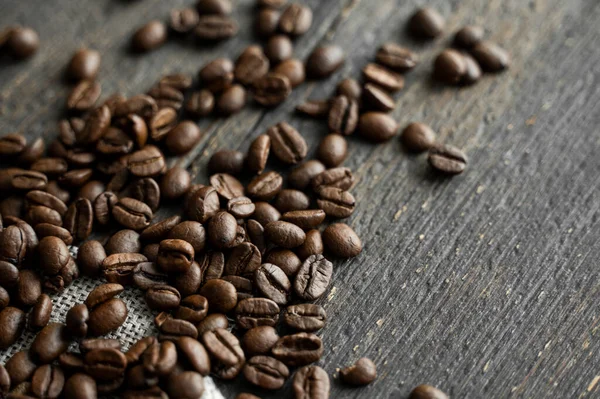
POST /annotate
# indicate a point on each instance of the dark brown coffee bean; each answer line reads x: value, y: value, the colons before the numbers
x: 147, y: 162
x: 80, y: 386
x: 293, y: 69
x: 468, y: 36
x: 265, y: 213
x: 339, y: 177
x: 188, y: 283
x: 92, y: 344
x: 217, y: 75
x: 27, y: 180
x: 332, y: 150
x: 203, y: 204
x: 378, y: 99
x: 149, y: 37
x: 272, y: 89
x: 324, y: 61
x: 175, y: 256
x: 243, y: 286
x: 265, y: 186
x: 162, y: 297
x: 12, y: 144
x: 221, y: 295
x: 22, y: 42
x: 225, y: 351
x: 383, y: 77
x: 377, y: 127
x: 193, y: 353
x: 183, y: 20
x: 349, y: 88
x: 32, y: 152
x: 91, y: 190
x: 447, y: 159
x: 336, y: 203
x: 75, y: 178
x: 103, y: 293
x: 141, y: 105
x: 103, y: 206
x: 313, y: 277
x: 118, y: 268
x: 490, y: 56
x: 215, y: 27
x: 50, y: 166
x: 244, y: 260
x: 279, y: 48
x: 107, y: 317
x: 397, y: 58
x: 212, y: 322
x: 259, y: 340
x: 284, y: 234
x: 273, y: 283
x: 251, y: 65
x: 69, y: 129
x: 167, y: 97
x: 42, y: 214
x: 77, y: 320
x: 427, y: 392
x: 84, y: 96
x: 42, y: 198
x: 240, y: 207
x: 40, y: 314
x: 147, y: 275
x: 227, y: 186
x: 286, y: 260
x: 162, y: 123
x: 175, y: 183
x: 54, y: 189
x: 28, y: 289
x: 90, y: 256
x: 95, y: 127
x: 426, y: 23
x: 343, y: 115
x: 255, y: 233
x: 220, y: 7
x: 50, y: 343
x: 295, y: 20
x: 301, y: 176
x: 305, y: 317
x: 287, y: 144
x: 232, y: 100
x: 254, y: 312
x: 266, y: 372
x: 187, y: 384
x: 105, y: 364
x: 191, y: 232
x: 291, y: 200
x: 342, y: 241
x: 266, y: 22
x: 9, y: 274
x: 84, y: 64
x: 136, y: 127
x: 222, y: 230
x: 418, y: 137
x: 193, y: 308
x: 298, y: 349
x: 20, y: 367
x: 449, y: 67
x: 311, y: 382
x: 150, y: 251
x: 12, y: 324
x: 159, y: 231
x: 363, y: 372
x: 47, y: 381
x: 473, y: 71
x: 200, y: 103
x: 71, y: 362
x: 226, y: 161
x: 147, y: 191
x: 132, y: 213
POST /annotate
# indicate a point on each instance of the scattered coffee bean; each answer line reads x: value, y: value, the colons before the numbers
x: 295, y: 20
x: 293, y: 69
x: 80, y: 386
x: 162, y: 297
x: 212, y: 322
x: 265, y: 186
x: 287, y: 143
x: 343, y: 115
x: 175, y: 256
x: 259, y: 340
x: 336, y: 203
x: 175, y: 183
x: 40, y: 314
x: 272, y: 89
x: 449, y: 66
x: 305, y: 317
x: 132, y: 213
x: 377, y: 127
x: 20, y: 367
x: 213, y: 28
x: 311, y: 382
x: 284, y: 234
x: 200, y: 103
x: 123, y: 241
x: 377, y: 99
x: 301, y: 176
x: 22, y: 42
x: 342, y: 241
x: 306, y: 219
x: 332, y: 150
x: 255, y: 312
x: 383, y: 77
x: 77, y: 320
x: 279, y: 48
x: 490, y: 56
x: 266, y: 372
x: 324, y: 61
x: 251, y: 65
x: 267, y: 21
x: 232, y: 100
x: 291, y: 200
x: 183, y: 20
x: 221, y: 295
x: 473, y: 70
x: 84, y: 65
x: 349, y: 88
x: 447, y: 159
x: 313, y: 278
x: 222, y: 230
x: 468, y: 36
x: 220, y: 7
x: 244, y: 260
x: 12, y: 324
x: 226, y: 161
x: 149, y: 37
x: 225, y: 351
x: 273, y: 283
x: 426, y: 23
x: 397, y: 58
x: 418, y: 137
x: 339, y: 177
x: 47, y: 381
x: 363, y: 372
x: 427, y: 392
x: 258, y: 154
x: 227, y: 186
x: 50, y: 343
x: 191, y: 232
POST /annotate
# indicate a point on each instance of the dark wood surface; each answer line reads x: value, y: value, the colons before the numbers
x: 485, y: 285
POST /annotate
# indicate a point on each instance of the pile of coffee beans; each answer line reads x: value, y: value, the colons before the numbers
x: 19, y: 42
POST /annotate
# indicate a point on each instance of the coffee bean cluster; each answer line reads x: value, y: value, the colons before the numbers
x: 19, y: 42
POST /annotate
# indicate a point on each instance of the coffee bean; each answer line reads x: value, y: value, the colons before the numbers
x: 272, y: 89
x: 287, y: 143
x: 305, y: 317
x: 84, y: 64
x: 84, y: 95
x: 90, y: 256
x: 28, y: 289
x: 396, y: 57
x: 193, y: 308
x: 50, y: 343
x: 295, y: 20
x: 212, y: 322
x: 313, y: 277
x: 12, y: 324
x: 50, y: 166
x: 232, y: 100
x: 221, y: 295
x: 301, y: 176
x: 363, y: 372
x: 175, y: 183
x: 47, y: 381
x: 226, y: 161
x: 147, y: 275
x: 225, y: 351
x: 191, y: 232
x: 215, y: 28
x: 222, y: 230
x: 378, y: 99
x: 162, y: 297
x: 377, y: 127
x: 103, y: 293
x: 339, y: 177
x: 22, y: 42
x: 285, y: 259
x: 266, y: 22
x: 132, y: 213
x: 342, y: 241
x: 426, y: 23
x: 284, y: 234
x: 54, y: 189
x: 227, y: 186
x: 490, y: 56
x: 175, y: 256
x: 241, y: 207
x: 265, y: 213
x: 259, y: 340
x: 251, y: 65
x: 349, y: 88
x: 256, y: 234
x: 71, y: 362
x: 95, y: 128
x: 150, y: 251
x: 291, y: 200
x: 149, y: 37
x: 311, y: 382
x: 34, y: 151
x: 75, y: 178
x: 105, y: 364
x: 427, y: 392
x: 183, y: 20
x: 203, y: 204
x: 219, y: 7
x: 305, y: 219
x: 336, y: 203
x: 265, y: 186
x: 217, y: 75
x: 9, y: 274
x: 188, y: 283
x: 77, y: 320
x: 54, y: 255
x: 42, y: 198
x: 200, y: 103
x: 298, y: 349
x: 266, y: 372
x: 159, y: 231
x: 332, y: 150
x: 447, y: 159
x: 147, y: 162
x: 273, y: 283
x: 12, y: 144
x: 293, y: 69
x: 418, y: 137
x: 324, y: 61
x: 243, y: 286
x: 20, y: 367
x: 279, y: 48
x: 91, y: 190
x: 40, y: 314
x: 43, y: 214
x: 27, y: 180
x: 141, y: 105
x: 449, y: 66
x: 107, y: 317
x: 80, y: 386
x: 473, y: 70
x: 468, y: 36
x: 383, y: 77
x: 103, y: 206
x: 244, y: 260
x: 193, y: 353
x: 343, y: 115
x: 118, y: 268
x: 254, y: 312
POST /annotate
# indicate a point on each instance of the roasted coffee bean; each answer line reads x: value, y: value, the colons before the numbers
x: 149, y: 37
x: 71, y: 362
x: 265, y: 213
x: 226, y: 161
x: 103, y: 206
x: 136, y: 127
x: 426, y: 23
x: 215, y: 27
x: 12, y: 324
x: 132, y: 213
x: 103, y: 293
x: 69, y: 129
x: 191, y: 232
x: 311, y: 382
x: 50, y: 343
x: 175, y: 256
x: 186, y: 385
x: 80, y: 386
x: 75, y: 178
x: 343, y: 115
x: 265, y: 186
x: 188, y: 283
x: 22, y: 42
x: 159, y: 231
x: 42, y: 214
x: 279, y: 48
x: 217, y: 75
x: 20, y: 367
x: 12, y: 144
x: 427, y: 392
x: 324, y: 61
x: 118, y: 268
x: 147, y: 191
x: 287, y: 143
x: 273, y: 283
x: 77, y: 320
x: 254, y: 312
x: 27, y: 180
x: 336, y: 203
x: 332, y: 150
x: 162, y: 123
x: 418, y: 137
x: 28, y: 289
x: 298, y: 349
x: 397, y: 58
x: 193, y: 308
x: 150, y: 251
x: 227, y: 186
x: 200, y: 103
x: 28, y: 232
x: 363, y: 372
x: 284, y: 234
x: 339, y: 177
x: 84, y: 95
x: 203, y: 204
x: 54, y: 189
x: 90, y: 256
x: 136, y: 351
x: 301, y: 176
x: 350, y: 88
x: 490, y: 56
x: 259, y: 340
x: 79, y: 218
x: 377, y: 127
x: 91, y: 344
x: 383, y: 77
x: 54, y: 255
x: 473, y: 70
x: 147, y: 162
x: 91, y: 190
x: 40, y: 314
x: 240, y: 207
x: 42, y: 198
x: 285, y: 259
x: 107, y: 317
x: 105, y: 364
x: 295, y: 20
x: 468, y: 36
x: 175, y: 183
x: 169, y: 98
x: 183, y: 137
x: 255, y: 233
x: 377, y: 99
x: 9, y: 274
x: 220, y: 7
x: 232, y: 100
x: 291, y: 200
x: 272, y: 89
x: 95, y: 128
x: 244, y: 260
x: 449, y: 67
x: 221, y: 295
x: 266, y: 22
x: 142, y: 105
x: 47, y: 381
x: 266, y: 372
x: 50, y: 166
x: 251, y: 65
x: 32, y: 152
x: 84, y: 64
x: 147, y: 275
x: 243, y: 286
x: 447, y: 159
x: 225, y: 351
x: 192, y: 353
x: 212, y: 322
x: 313, y: 277
x: 162, y: 297
x: 342, y: 241
x: 258, y: 154
x: 293, y: 69
x: 305, y: 317
x: 222, y: 230
x: 183, y: 20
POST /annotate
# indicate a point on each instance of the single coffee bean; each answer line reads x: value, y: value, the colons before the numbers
x: 363, y: 372
x: 291, y: 200
x: 220, y: 7
x: 54, y: 255
x: 32, y: 152
x: 190, y: 231
x: 103, y: 206
x: 226, y: 161
x: 188, y: 283
x: 427, y: 392
x: 350, y: 88
x: 221, y: 295
x: 91, y: 344
x: 272, y: 89
x: 259, y: 340
x: 147, y: 162
x: 255, y: 312
x: 243, y: 286
x: 418, y: 137
x: 266, y: 22
x: 284, y: 234
x: 273, y: 283
x: 27, y: 180
x: 306, y: 317
x: 132, y: 213
x: 298, y: 349
x: 295, y: 20
x: 22, y: 42
x: 241, y: 207
x: 166, y: 96
x: 301, y: 176
x: 397, y: 58
x: 244, y: 260
x: 90, y: 256
x: 306, y: 219
x: 107, y: 317
x: 212, y: 322
x: 50, y: 343
x: 473, y: 70
x: 118, y: 268
x: 222, y: 230
x: 160, y: 230
x: 225, y: 351
x: 136, y: 126
x: 149, y: 37
x: 449, y: 67
x: 20, y: 367
x: 203, y: 204
x: 377, y: 127
x: 12, y: 324
x: 193, y: 308
x: 377, y: 99
x: 339, y: 177
x: 258, y: 154
x: 343, y: 115
x: 183, y: 20
x: 468, y: 36
x: 95, y: 128
x: 192, y: 353
x: 40, y: 314
x: 336, y: 203
x: 75, y: 178
x: 84, y: 64
x: 50, y: 166
x: 9, y: 274
x: 80, y: 386
x: 42, y: 198
x: 383, y: 77
x: 313, y: 277
x: 187, y: 384
x: 162, y: 297
x: 105, y: 364
x: 12, y: 144
x: 311, y: 382
x: 102, y: 294
x: 232, y: 100
x: 200, y: 103
x: 332, y: 150
x: 217, y: 75
x: 279, y: 48
x: 147, y: 275
x: 28, y: 289
x: 71, y: 362
x: 175, y: 256
x: 77, y: 321
x: 147, y: 191
x: 285, y: 259
x: 91, y: 190
x: 175, y: 183
x: 256, y: 235
x: 293, y: 69
x: 251, y: 65
x: 266, y: 372
x: 265, y: 186
x: 447, y: 159
x: 79, y: 218
x: 47, y: 381
x: 150, y: 251
x: 342, y: 241
x: 490, y: 56
x: 136, y: 351
x: 69, y: 129
x: 227, y: 186
x: 324, y: 61
x: 426, y: 23
x: 265, y: 213
x: 84, y: 95
x: 162, y: 123
x: 287, y: 143
x: 213, y: 28
x: 42, y: 214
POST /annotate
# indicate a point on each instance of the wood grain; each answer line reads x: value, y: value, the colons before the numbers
x: 485, y: 285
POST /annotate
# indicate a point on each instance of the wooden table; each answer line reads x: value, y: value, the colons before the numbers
x: 485, y: 285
